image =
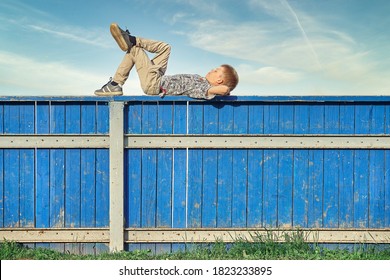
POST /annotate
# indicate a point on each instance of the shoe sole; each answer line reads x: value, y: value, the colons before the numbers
x: 108, y: 93
x: 117, y: 34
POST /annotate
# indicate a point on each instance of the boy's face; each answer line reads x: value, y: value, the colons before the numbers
x: 215, y: 76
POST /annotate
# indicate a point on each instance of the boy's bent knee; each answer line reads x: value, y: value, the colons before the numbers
x: 167, y: 48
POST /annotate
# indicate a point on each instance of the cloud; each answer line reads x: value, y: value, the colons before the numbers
x: 72, y: 33
x: 285, y: 45
x: 21, y: 19
x: 21, y: 73
x: 267, y: 75
x: 288, y: 40
x: 176, y: 17
x: 14, y: 6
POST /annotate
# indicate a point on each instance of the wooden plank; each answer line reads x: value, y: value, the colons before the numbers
x: 301, y: 186
x: 72, y: 168
x: 194, y: 189
x: 164, y: 173
x: 88, y: 170
x: 57, y: 172
x: 102, y: 173
x: 57, y: 163
x: 271, y: 175
x: 218, y: 100
x: 2, y: 115
x: 116, y: 176
x: 53, y: 141
x: 195, y: 168
x: 225, y: 170
x: 133, y: 167
x: 134, y: 183
x: 164, y: 168
x: 179, y: 189
x: 149, y: 172
x: 42, y: 188
x: 179, y: 176
x: 2, y: 168
x: 133, y: 115
x: 240, y: 169
x: 56, y: 236
x: 11, y: 188
x: 197, y: 235
x: 102, y: 118
x: 27, y: 168
x: 179, y: 168
x: 386, y: 213
x: 2, y: 200
x: 311, y: 235
x: 11, y: 168
x: 207, y: 141
x: 377, y: 171
x: 316, y: 167
x: 72, y: 174
x: 149, y: 168
x: 255, y: 168
x: 102, y: 188
x: 88, y: 167
x: 210, y: 167
x: 286, y: 170
x: 347, y: 126
x: 179, y: 193
x: 361, y: 168
x: 331, y: 170
x: 387, y: 171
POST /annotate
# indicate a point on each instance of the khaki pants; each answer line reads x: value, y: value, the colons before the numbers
x: 149, y: 71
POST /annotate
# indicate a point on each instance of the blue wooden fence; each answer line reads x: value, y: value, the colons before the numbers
x: 232, y: 164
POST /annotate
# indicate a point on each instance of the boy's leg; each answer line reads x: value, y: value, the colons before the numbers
x: 149, y: 71
x: 124, y: 68
x: 161, y: 49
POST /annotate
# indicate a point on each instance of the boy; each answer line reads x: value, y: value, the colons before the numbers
x: 219, y: 81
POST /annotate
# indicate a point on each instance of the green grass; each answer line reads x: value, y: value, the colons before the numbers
x: 294, y: 247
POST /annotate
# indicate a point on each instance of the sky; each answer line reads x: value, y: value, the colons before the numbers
x: 278, y: 47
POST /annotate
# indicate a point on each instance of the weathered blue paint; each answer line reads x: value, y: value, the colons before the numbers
x: 52, y: 188
x: 204, y: 188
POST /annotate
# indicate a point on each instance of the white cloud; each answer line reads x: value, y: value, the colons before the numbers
x: 287, y: 45
x: 20, y: 73
x: 267, y: 75
x: 71, y: 33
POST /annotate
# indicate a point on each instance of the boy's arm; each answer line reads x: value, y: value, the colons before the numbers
x: 219, y: 90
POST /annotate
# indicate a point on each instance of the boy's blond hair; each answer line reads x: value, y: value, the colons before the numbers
x: 230, y: 76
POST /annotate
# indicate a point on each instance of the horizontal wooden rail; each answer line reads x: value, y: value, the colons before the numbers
x: 228, y: 141
x: 222, y: 141
x: 54, y: 141
x: 196, y: 235
x: 56, y: 235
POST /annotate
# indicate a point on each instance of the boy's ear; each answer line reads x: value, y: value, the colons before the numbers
x: 220, y: 81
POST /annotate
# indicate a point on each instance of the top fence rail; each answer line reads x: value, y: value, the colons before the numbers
x: 254, y: 98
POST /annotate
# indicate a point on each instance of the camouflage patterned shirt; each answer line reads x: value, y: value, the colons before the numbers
x: 192, y: 85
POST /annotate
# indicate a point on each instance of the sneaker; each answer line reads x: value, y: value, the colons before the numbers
x: 109, y: 90
x: 121, y: 37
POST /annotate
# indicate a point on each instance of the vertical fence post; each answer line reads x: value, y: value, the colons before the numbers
x: 116, y: 177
